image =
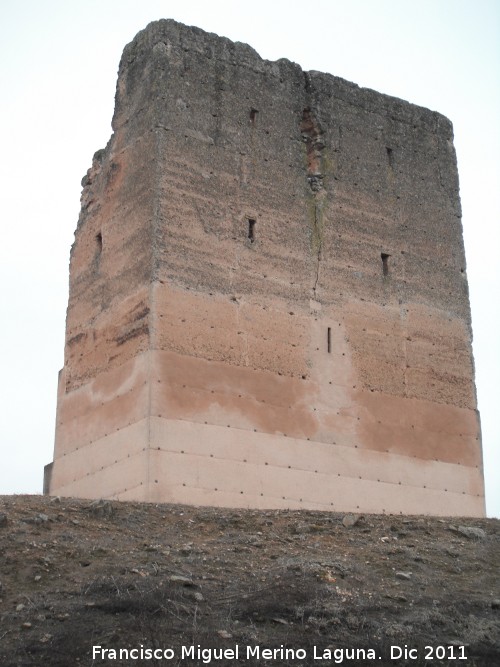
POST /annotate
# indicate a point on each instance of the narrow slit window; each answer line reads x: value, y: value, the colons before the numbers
x: 253, y: 116
x: 329, y: 339
x: 98, y: 240
x: 390, y: 156
x: 251, y: 229
x: 385, y: 263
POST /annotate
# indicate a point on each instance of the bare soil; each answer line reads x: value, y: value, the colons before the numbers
x: 76, y: 574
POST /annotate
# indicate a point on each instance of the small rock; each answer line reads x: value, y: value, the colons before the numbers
x: 38, y: 577
x: 198, y: 596
x: 224, y: 634
x: 301, y: 528
x: 26, y: 626
x: 295, y: 567
x: 141, y: 573
x: 495, y: 604
x: 45, y: 638
x: 403, y: 575
x: 186, y: 550
x: 351, y: 520
x: 281, y: 621
x: 385, y: 539
x: 472, y: 532
x: 101, y: 508
x: 20, y: 607
x: 37, y: 520
x: 56, y: 500
x: 177, y: 578
x: 3, y: 519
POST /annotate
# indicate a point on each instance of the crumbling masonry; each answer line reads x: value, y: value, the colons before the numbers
x: 268, y: 300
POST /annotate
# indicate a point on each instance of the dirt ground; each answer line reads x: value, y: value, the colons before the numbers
x: 196, y: 586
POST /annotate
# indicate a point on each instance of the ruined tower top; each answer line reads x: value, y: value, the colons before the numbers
x: 268, y: 299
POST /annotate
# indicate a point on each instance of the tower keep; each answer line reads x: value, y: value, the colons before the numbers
x: 268, y: 299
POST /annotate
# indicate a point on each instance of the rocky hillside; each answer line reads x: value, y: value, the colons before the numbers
x: 176, y: 585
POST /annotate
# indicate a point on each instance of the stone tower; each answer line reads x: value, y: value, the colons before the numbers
x: 268, y: 300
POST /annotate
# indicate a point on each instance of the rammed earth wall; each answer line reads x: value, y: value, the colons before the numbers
x: 268, y: 298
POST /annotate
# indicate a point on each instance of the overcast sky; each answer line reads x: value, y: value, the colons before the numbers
x: 58, y: 65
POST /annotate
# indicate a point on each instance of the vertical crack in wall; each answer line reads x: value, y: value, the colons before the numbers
x: 405, y: 337
x: 317, y: 241
x: 312, y: 136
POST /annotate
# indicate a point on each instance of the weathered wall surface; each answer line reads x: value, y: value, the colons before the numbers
x: 268, y: 298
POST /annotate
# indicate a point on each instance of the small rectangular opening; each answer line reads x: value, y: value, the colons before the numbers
x: 390, y: 156
x: 329, y: 339
x: 251, y: 229
x: 385, y: 263
x: 253, y: 116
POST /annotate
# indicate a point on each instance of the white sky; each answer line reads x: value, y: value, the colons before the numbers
x: 58, y: 65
